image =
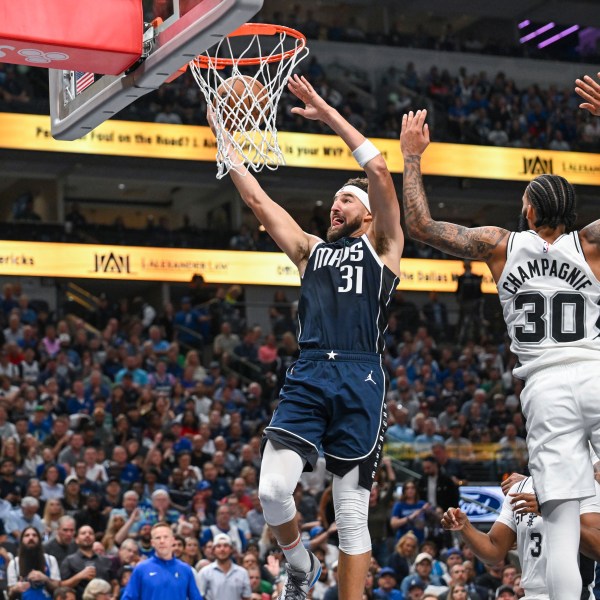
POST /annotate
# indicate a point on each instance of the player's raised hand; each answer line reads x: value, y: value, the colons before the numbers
x: 524, y: 503
x: 315, y: 107
x: 414, y: 137
x: 589, y: 90
x: 510, y: 481
x: 454, y: 519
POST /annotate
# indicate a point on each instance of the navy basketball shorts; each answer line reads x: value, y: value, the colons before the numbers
x: 334, y: 400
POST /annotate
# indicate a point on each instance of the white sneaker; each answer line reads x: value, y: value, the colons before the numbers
x: 299, y: 583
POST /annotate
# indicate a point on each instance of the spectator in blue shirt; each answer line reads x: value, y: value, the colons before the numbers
x: 139, y: 376
x: 387, y: 586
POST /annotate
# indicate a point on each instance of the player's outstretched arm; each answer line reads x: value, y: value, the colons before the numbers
x: 385, y: 207
x: 589, y: 90
x: 482, y: 243
x: 489, y: 547
x: 286, y: 233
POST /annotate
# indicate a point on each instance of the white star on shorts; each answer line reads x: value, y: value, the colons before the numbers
x: 331, y: 355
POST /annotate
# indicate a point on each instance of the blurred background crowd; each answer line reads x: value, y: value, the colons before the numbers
x: 132, y: 414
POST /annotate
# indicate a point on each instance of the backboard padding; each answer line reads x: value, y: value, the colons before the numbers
x: 178, y: 40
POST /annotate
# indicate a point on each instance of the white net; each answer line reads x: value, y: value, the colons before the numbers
x: 245, y: 94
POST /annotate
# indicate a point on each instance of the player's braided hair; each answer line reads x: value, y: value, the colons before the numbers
x: 360, y: 182
x: 553, y: 198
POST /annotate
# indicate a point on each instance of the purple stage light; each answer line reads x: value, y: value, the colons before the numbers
x: 558, y: 36
x: 524, y: 23
x: 537, y: 32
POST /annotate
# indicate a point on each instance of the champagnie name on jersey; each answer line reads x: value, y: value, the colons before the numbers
x: 545, y: 267
x: 334, y: 257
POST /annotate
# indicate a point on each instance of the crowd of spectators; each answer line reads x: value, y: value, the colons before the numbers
x: 138, y: 415
x: 476, y: 108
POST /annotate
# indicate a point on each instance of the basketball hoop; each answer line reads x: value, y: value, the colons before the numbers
x: 242, y: 78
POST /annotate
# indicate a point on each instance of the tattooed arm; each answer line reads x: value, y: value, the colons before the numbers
x: 481, y: 243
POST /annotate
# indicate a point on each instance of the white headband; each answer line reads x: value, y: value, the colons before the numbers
x: 356, y: 191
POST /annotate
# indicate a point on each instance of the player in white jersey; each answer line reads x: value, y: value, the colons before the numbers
x: 548, y: 282
x: 520, y: 521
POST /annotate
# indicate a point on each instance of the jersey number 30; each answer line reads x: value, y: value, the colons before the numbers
x: 565, y: 315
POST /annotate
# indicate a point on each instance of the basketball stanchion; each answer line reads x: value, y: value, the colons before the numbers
x: 242, y: 79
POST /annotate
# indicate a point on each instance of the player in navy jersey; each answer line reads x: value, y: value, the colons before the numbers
x: 548, y: 284
x: 333, y: 397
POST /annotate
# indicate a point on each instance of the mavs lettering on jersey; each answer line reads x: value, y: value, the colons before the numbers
x: 345, y: 293
x: 550, y: 300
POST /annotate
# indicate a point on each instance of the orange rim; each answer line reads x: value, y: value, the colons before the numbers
x: 254, y: 29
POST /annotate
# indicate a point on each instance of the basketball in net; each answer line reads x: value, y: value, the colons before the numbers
x: 242, y: 79
x: 242, y: 101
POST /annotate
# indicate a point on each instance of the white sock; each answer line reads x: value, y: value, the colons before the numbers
x: 561, y: 521
x: 297, y: 555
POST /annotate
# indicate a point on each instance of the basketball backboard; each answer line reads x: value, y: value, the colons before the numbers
x: 188, y: 28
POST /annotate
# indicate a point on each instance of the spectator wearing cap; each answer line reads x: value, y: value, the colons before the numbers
x: 62, y: 544
x: 204, y: 506
x: 112, y: 494
x: 436, y: 487
x: 457, y: 446
x: 223, y: 579
x: 505, y: 592
x: 453, y: 556
x: 386, y: 585
x: 40, y: 422
x: 423, y: 566
x: 416, y: 589
x: 319, y: 540
x: 223, y: 525
x: 72, y: 500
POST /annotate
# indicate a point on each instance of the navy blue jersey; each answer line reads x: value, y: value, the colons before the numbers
x: 345, y: 293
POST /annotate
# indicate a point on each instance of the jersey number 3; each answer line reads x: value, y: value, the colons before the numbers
x: 353, y: 279
x: 566, y: 316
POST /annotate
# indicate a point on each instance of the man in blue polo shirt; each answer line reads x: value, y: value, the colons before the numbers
x: 162, y: 575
